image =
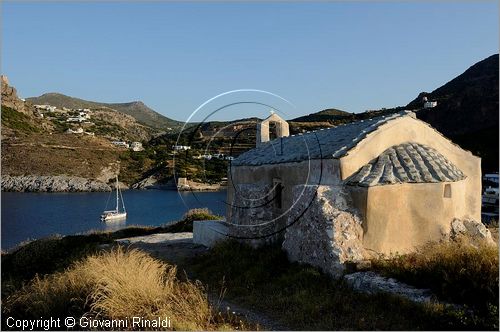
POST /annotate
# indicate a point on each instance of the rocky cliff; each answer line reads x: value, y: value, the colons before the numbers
x: 9, y: 96
x: 60, y: 183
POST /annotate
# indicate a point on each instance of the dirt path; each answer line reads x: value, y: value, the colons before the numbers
x: 178, y: 249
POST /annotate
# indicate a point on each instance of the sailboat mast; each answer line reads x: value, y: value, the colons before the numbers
x: 117, y: 193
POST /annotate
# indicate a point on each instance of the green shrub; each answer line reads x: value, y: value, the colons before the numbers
x: 200, y: 214
x: 186, y: 223
x: 17, y: 120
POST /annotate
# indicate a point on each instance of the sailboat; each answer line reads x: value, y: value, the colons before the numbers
x: 115, y: 214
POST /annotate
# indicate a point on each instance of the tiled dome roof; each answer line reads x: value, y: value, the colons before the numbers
x: 407, y: 163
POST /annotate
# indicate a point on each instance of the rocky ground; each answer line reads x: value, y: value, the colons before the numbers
x: 60, y: 183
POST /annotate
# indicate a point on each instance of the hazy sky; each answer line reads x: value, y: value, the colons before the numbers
x: 175, y: 56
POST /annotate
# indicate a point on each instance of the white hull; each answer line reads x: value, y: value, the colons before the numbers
x: 114, y: 216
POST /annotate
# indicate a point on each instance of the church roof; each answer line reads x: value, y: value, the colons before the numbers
x: 407, y: 163
x: 321, y: 144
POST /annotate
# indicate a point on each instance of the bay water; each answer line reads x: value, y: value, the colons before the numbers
x: 27, y: 216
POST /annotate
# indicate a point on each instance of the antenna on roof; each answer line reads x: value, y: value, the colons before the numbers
x: 271, y: 111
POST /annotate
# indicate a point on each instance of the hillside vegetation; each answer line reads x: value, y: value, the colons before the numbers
x: 40, y: 146
x: 56, y: 154
x: 327, y: 115
x: 18, y: 121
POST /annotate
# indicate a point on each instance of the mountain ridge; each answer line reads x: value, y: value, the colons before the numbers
x: 467, y: 111
x: 137, y: 109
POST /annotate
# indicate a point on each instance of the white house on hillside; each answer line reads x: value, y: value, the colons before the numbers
x: 120, y: 144
x: 136, y: 146
x: 181, y: 147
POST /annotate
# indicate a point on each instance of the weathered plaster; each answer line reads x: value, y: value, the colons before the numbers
x: 400, y: 217
x: 407, y: 129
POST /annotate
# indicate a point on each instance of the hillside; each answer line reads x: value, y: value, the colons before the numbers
x: 136, y: 109
x: 325, y: 115
x: 467, y: 110
x: 467, y: 113
x: 467, y: 103
x: 39, y: 143
x: 333, y: 117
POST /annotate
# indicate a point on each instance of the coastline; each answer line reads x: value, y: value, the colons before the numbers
x: 64, y: 183
x: 56, y: 183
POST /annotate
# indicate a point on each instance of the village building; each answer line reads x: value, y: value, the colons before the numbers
x: 84, y: 115
x: 181, y: 147
x: 380, y: 186
x: 136, y: 146
x: 47, y: 108
x: 428, y: 103
x: 76, y: 131
x: 120, y: 144
x: 76, y: 119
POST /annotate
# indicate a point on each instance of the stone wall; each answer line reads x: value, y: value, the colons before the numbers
x: 323, y: 231
x: 253, y: 215
x: 309, y: 172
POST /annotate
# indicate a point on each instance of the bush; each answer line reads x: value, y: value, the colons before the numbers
x: 200, y: 214
x: 186, y: 224
x: 17, y: 120
x: 456, y: 272
x: 117, y: 285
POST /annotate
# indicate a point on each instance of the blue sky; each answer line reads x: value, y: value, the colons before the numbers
x: 175, y: 56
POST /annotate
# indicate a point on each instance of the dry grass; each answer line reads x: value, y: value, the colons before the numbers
x: 118, y: 285
x: 302, y: 298
x: 456, y: 271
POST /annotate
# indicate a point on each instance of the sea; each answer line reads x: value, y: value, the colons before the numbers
x: 29, y: 216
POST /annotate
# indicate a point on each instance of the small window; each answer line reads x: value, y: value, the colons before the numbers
x: 447, y: 190
x: 278, y: 193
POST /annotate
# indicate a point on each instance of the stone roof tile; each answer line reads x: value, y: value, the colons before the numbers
x: 329, y: 143
x: 407, y: 163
